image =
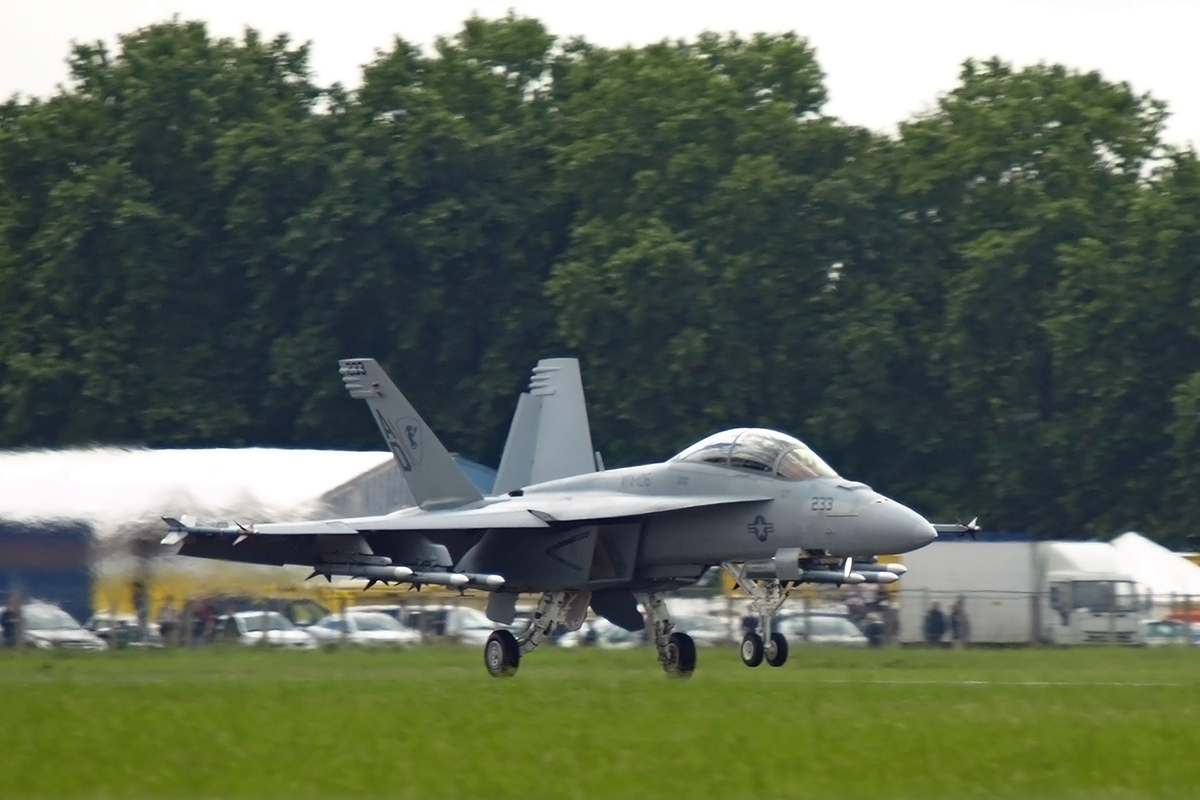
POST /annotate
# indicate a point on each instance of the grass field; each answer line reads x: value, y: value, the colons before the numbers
x: 224, y: 723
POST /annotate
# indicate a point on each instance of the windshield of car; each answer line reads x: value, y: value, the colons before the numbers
x: 46, y: 618
x: 759, y: 450
x: 376, y: 622
x: 274, y: 621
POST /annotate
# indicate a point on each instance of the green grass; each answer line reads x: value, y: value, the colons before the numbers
x: 224, y: 723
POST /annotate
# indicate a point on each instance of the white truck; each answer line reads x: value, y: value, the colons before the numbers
x: 1023, y: 592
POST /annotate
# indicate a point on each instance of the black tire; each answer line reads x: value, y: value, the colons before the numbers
x: 502, y: 654
x: 777, y: 650
x: 679, y: 661
x: 752, y: 650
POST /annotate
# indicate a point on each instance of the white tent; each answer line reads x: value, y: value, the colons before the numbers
x: 1156, y: 569
x: 115, y: 488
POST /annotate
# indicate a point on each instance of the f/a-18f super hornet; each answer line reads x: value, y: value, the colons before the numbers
x: 759, y: 503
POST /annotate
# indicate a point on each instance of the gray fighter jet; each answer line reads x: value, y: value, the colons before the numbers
x: 758, y: 503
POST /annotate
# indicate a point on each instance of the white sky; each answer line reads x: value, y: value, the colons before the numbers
x: 884, y: 60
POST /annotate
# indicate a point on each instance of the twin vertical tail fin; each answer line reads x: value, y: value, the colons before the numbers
x: 550, y: 436
x: 432, y: 476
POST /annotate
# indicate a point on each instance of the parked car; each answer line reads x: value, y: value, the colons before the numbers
x: 1159, y: 632
x: 705, y: 630
x: 300, y: 611
x: 460, y: 624
x: 821, y: 629
x: 270, y: 628
x: 599, y: 632
x: 121, y: 630
x: 364, y: 629
x: 47, y: 626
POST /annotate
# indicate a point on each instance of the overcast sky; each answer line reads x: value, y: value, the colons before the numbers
x: 884, y: 60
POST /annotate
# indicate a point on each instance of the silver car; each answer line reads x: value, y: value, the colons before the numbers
x: 705, y: 630
x: 364, y: 629
x: 821, y: 630
x: 269, y: 628
x: 46, y: 626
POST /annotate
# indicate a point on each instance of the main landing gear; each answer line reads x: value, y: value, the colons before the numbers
x: 676, y: 650
x: 766, y: 597
x: 503, y: 651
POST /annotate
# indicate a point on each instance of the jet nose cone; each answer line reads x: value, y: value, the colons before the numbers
x: 902, y: 528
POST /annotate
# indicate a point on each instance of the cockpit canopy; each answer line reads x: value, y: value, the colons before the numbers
x: 759, y: 450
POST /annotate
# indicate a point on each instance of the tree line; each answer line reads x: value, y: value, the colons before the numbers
x: 993, y: 311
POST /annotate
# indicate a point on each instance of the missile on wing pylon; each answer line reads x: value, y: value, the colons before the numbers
x: 831, y: 576
x: 768, y: 569
x: 458, y: 579
x: 406, y: 575
x: 895, y: 569
x: 372, y: 571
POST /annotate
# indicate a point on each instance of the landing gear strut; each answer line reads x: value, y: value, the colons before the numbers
x: 676, y: 650
x: 766, y: 597
x: 503, y: 651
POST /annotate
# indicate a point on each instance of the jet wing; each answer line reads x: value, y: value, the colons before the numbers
x: 592, y: 506
x: 499, y: 515
x: 517, y: 513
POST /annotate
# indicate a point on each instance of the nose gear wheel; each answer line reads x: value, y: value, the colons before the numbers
x: 752, y: 650
x: 776, y: 651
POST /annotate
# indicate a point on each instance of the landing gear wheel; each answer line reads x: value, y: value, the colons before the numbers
x: 679, y: 656
x: 752, y: 650
x: 501, y: 654
x: 777, y: 650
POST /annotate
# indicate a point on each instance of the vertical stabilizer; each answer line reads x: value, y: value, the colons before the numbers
x: 549, y: 437
x: 435, y: 480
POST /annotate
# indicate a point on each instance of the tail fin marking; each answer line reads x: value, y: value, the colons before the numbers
x: 432, y: 476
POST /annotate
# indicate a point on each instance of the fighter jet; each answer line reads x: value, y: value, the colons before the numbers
x: 757, y: 502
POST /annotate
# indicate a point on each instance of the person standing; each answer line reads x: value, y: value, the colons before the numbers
x: 168, y: 622
x: 10, y: 620
x: 935, y: 624
x: 960, y: 623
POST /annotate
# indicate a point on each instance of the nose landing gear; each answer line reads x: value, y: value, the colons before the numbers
x: 766, y: 597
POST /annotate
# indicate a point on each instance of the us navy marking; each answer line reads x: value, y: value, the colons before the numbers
x: 760, y: 529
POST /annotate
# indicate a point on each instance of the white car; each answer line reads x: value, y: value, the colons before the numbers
x: 269, y: 628
x: 706, y: 630
x: 821, y: 629
x: 364, y: 628
x: 599, y: 632
x: 459, y: 624
x: 46, y: 626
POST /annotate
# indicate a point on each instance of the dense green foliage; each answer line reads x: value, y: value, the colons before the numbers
x: 993, y: 312
x: 430, y: 723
